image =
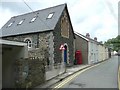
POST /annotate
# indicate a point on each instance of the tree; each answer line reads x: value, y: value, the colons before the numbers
x: 114, y: 43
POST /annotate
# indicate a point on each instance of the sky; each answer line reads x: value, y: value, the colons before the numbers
x: 99, y: 18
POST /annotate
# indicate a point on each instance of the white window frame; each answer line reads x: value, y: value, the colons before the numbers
x: 21, y: 21
x: 28, y: 43
x: 50, y: 15
x: 10, y: 24
x: 33, y: 19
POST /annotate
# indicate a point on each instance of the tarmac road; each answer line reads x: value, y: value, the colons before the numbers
x: 104, y: 75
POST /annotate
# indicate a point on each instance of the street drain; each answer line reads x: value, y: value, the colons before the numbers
x: 77, y: 84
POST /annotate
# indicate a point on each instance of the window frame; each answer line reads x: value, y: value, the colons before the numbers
x: 20, y: 22
x: 28, y: 43
x: 33, y: 19
x: 50, y: 15
x: 10, y: 24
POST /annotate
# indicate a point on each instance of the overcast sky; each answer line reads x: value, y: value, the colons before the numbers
x: 97, y: 17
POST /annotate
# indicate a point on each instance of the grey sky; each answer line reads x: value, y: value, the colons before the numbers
x: 97, y: 17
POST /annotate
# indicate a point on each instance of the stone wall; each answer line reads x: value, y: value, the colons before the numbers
x: 40, y: 42
x: 29, y: 72
x: 41, y: 59
x: 58, y: 40
x: 21, y: 38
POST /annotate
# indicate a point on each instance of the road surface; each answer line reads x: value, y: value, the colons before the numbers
x: 104, y: 75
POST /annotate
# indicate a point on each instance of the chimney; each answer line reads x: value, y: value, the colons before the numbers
x: 95, y: 38
x: 87, y: 35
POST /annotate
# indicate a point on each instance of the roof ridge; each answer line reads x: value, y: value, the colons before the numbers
x: 86, y: 37
x: 80, y: 35
x: 39, y: 10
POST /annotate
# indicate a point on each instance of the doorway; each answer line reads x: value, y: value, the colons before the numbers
x: 65, y: 54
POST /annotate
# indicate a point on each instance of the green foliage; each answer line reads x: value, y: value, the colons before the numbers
x: 114, y: 43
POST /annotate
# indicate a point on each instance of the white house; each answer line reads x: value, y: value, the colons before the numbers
x: 100, y: 52
x: 96, y: 51
x: 92, y: 49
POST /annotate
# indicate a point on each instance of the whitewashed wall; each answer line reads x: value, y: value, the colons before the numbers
x: 100, y: 52
x: 93, y: 52
x: 96, y: 52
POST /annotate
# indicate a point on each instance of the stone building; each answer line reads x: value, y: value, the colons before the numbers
x: 44, y: 31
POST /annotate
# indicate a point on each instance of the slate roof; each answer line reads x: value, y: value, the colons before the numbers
x: 84, y: 37
x: 39, y: 25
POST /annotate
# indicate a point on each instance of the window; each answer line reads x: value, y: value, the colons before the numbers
x: 21, y: 22
x: 10, y: 24
x: 33, y: 19
x: 50, y: 15
x: 29, y: 42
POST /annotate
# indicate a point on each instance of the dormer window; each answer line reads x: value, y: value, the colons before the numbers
x: 50, y: 15
x: 33, y: 19
x: 21, y: 22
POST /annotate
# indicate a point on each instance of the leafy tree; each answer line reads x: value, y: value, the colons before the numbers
x: 114, y: 43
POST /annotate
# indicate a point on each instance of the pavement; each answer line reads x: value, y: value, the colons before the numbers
x: 69, y: 71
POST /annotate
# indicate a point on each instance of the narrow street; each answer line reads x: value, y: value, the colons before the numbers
x: 104, y: 75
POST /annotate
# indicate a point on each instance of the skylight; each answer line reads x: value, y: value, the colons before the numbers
x: 50, y: 15
x: 10, y: 24
x: 21, y: 22
x: 33, y: 19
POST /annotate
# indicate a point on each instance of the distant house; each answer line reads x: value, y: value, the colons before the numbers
x: 92, y: 51
x: 44, y: 31
x: 81, y: 43
x: 88, y: 47
x: 101, y: 52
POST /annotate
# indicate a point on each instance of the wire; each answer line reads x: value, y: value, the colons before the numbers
x: 28, y: 6
x: 38, y: 16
